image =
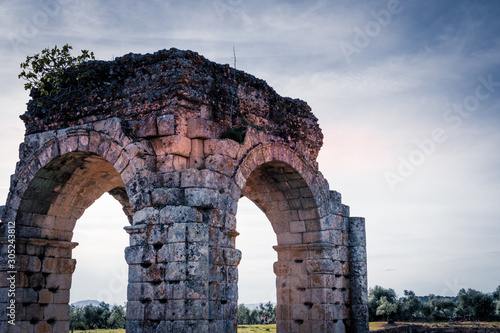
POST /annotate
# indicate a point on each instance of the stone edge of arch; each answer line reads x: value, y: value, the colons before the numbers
x: 105, y: 139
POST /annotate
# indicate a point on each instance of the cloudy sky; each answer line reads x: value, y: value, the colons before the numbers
x: 407, y: 94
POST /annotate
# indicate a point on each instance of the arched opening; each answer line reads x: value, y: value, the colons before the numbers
x: 286, y: 199
x: 256, y: 281
x: 101, y: 272
x: 55, y: 199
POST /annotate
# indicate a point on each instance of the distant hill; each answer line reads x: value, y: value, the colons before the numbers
x: 81, y: 304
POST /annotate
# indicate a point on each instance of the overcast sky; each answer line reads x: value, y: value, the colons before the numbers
x: 407, y: 94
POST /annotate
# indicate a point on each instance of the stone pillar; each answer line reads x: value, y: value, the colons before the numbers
x: 358, y: 275
x: 182, y: 261
x: 311, y: 289
x: 168, y: 272
x: 215, y: 195
x: 43, y: 279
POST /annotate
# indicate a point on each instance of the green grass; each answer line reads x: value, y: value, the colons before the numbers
x: 256, y: 328
x: 241, y: 329
x: 378, y: 325
x: 120, y: 330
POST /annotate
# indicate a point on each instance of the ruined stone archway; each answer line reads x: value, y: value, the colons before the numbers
x: 178, y: 140
x: 312, y: 228
x: 59, y: 180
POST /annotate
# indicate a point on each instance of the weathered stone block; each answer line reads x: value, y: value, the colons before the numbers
x: 204, y: 178
x: 135, y: 310
x: 197, y: 157
x: 357, y: 236
x: 289, y: 238
x: 299, y: 312
x: 221, y: 147
x: 324, y: 266
x: 199, y: 128
x: 222, y: 164
x: 203, y: 197
x: 140, y: 254
x: 61, y: 281
x: 197, y: 232
x: 52, y: 311
x: 175, y: 309
x: 148, y: 215
x: 198, y: 269
x: 180, y: 214
x: 61, y: 296
x: 171, y: 179
x: 172, y: 144
x: 171, y: 163
x: 167, y: 196
x: 59, y: 266
x: 232, y: 257
x: 154, y: 311
x: 166, y: 125
x: 145, y: 127
x: 45, y: 296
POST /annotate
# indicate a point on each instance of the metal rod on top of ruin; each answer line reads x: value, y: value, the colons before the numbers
x: 232, y: 95
x: 234, y: 57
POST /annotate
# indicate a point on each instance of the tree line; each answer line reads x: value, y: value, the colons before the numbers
x: 470, y: 305
x: 102, y: 316
x: 383, y: 304
x: 263, y: 314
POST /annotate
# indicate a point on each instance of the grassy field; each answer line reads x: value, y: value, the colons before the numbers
x: 101, y: 331
x: 256, y: 328
x: 380, y: 325
x: 373, y: 327
x: 241, y: 329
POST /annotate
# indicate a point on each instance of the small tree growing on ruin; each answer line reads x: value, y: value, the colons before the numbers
x: 44, y: 71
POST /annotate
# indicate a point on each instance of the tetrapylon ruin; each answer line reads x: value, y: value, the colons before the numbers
x: 178, y: 140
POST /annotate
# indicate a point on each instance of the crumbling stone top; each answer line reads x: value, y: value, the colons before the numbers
x: 175, y: 82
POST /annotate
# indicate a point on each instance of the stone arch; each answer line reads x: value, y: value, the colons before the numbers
x: 55, y: 185
x: 178, y: 139
x: 293, y: 195
x: 285, y: 187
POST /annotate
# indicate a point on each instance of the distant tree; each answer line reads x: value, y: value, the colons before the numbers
x: 440, y: 308
x: 268, y: 310
x: 116, y: 318
x: 97, y: 317
x: 243, y: 315
x: 475, y: 305
x: 409, y: 306
x: 253, y: 317
x: 496, y: 293
x: 374, y: 296
x: 77, y: 319
x: 496, y: 296
x: 387, y: 308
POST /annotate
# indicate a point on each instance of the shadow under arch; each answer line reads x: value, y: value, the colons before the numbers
x: 56, y: 197
x: 284, y: 196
